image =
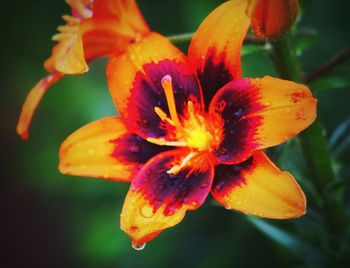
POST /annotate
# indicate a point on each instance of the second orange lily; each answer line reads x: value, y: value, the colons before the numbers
x: 96, y: 28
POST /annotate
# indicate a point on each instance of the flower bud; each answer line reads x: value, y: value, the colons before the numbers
x: 271, y: 18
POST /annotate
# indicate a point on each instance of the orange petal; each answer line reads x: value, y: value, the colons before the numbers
x: 114, y: 25
x: 158, y: 200
x: 260, y: 113
x: 68, y: 55
x: 272, y: 18
x: 289, y: 109
x: 32, y: 102
x: 135, y: 83
x: 259, y: 188
x: 215, y: 50
x: 105, y: 149
x: 95, y: 30
x: 124, y: 17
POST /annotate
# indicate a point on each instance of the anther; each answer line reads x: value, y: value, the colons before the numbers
x: 69, y: 18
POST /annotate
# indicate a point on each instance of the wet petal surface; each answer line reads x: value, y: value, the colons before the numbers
x: 254, y: 113
x: 215, y: 50
x: 258, y: 187
x: 135, y: 81
x: 105, y: 149
x: 158, y: 200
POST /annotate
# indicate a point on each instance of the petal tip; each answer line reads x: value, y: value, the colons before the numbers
x: 22, y: 131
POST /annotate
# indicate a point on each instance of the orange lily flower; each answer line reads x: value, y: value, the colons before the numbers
x: 272, y: 18
x: 96, y: 28
x: 190, y: 126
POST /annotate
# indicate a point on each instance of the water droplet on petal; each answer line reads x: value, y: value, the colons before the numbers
x: 220, y: 186
x: 238, y: 113
x: 137, y: 246
x: 135, y: 148
x: 134, y: 229
x: 147, y: 211
x: 204, y: 185
x: 195, y: 203
x: 91, y: 151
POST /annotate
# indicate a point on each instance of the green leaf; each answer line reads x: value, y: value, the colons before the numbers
x: 339, y: 78
x: 303, y: 40
x: 283, y: 238
x: 252, y: 48
x: 340, y: 138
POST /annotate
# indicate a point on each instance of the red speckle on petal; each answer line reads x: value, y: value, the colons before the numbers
x: 297, y: 96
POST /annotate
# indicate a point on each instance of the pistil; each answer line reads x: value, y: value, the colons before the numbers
x: 167, y: 85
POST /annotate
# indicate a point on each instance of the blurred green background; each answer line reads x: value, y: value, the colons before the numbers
x: 52, y: 220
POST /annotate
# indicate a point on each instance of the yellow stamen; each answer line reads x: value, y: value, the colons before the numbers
x: 163, y: 142
x: 175, y: 169
x: 193, y: 132
x: 67, y: 29
x: 60, y: 36
x: 192, y: 116
x: 169, y: 94
x: 72, y: 19
x: 190, y: 108
x: 162, y: 115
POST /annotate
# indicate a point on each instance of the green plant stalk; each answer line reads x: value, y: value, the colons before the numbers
x: 187, y: 37
x: 313, y: 142
x: 180, y: 38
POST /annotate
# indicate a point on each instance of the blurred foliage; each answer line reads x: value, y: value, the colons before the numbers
x: 51, y: 220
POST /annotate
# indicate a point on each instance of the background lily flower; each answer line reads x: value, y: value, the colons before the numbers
x: 96, y: 28
x: 272, y: 18
x: 190, y: 126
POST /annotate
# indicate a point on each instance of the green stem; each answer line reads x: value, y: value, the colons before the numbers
x: 180, y: 38
x: 186, y: 37
x: 313, y: 142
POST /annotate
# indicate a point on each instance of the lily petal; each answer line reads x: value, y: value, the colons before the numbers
x: 68, y: 54
x: 258, y: 187
x: 272, y: 18
x: 215, y: 50
x: 96, y: 28
x: 260, y: 113
x: 135, y: 83
x: 113, y: 26
x: 105, y: 149
x: 32, y: 102
x: 158, y: 200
